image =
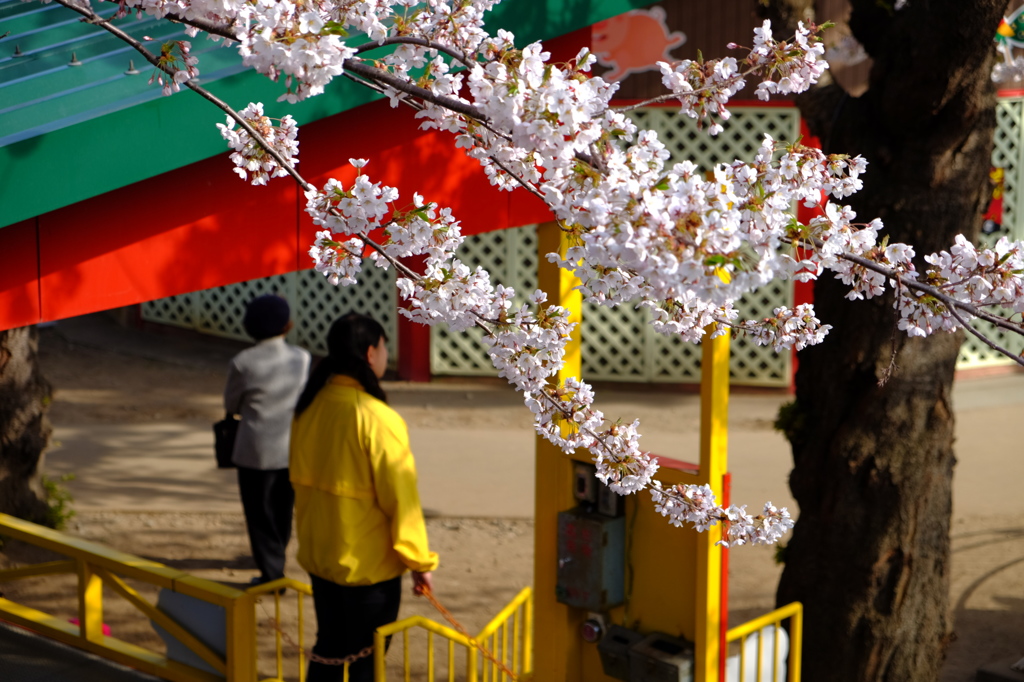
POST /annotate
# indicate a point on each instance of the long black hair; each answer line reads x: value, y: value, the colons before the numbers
x: 349, y: 338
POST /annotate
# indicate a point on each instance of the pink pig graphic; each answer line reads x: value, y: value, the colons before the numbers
x: 632, y: 42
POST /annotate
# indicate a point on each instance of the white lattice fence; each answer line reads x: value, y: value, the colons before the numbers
x: 1008, y: 154
x: 511, y: 258
x: 315, y: 305
x: 740, y: 138
x: 618, y: 343
x: 320, y: 303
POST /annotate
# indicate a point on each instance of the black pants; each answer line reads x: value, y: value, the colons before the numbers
x: 346, y: 618
x: 267, y: 499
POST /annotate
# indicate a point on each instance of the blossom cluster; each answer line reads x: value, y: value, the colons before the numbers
x: 355, y: 210
x: 339, y: 262
x: 790, y: 67
x: 299, y: 40
x: 788, y: 329
x: 695, y: 504
x: 177, y: 65
x: 250, y: 156
x: 704, y: 87
x: 982, y: 278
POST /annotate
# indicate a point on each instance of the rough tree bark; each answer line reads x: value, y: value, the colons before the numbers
x: 873, y: 464
x: 24, y: 427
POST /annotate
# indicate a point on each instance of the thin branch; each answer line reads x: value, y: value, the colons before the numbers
x: 422, y: 42
x: 224, y: 31
x: 984, y: 339
x: 379, y: 75
x: 381, y: 90
x: 887, y: 373
x: 522, y: 182
x: 205, y: 26
x: 928, y: 289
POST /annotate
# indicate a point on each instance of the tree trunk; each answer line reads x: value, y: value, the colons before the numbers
x: 24, y: 427
x: 873, y: 461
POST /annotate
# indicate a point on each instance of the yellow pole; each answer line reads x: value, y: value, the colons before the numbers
x: 90, y: 603
x: 557, y: 651
x: 714, y: 422
x: 241, y: 639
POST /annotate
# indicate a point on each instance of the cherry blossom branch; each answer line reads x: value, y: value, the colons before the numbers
x: 639, y: 227
x: 93, y: 18
x: 209, y: 27
x: 381, y: 76
x: 936, y: 292
x: 283, y: 162
x: 737, y: 77
x: 222, y: 30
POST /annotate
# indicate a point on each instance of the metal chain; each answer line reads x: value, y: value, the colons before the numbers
x: 352, y: 658
x: 472, y: 640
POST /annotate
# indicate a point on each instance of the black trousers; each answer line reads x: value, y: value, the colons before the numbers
x: 267, y: 499
x: 346, y: 617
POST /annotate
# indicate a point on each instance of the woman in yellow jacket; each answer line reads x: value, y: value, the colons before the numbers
x: 357, y: 509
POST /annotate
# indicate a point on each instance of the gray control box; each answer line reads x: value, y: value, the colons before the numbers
x: 591, y: 560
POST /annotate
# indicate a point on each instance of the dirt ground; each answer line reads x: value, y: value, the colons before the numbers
x: 485, y: 561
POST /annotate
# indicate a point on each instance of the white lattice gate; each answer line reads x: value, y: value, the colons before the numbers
x: 1007, y: 154
x: 315, y: 305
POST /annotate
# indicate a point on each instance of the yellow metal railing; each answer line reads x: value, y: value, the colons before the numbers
x: 741, y: 633
x: 508, y: 637
x: 96, y: 567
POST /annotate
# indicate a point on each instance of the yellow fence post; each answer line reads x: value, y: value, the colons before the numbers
x: 557, y: 652
x: 90, y: 603
x: 714, y: 425
x: 241, y: 639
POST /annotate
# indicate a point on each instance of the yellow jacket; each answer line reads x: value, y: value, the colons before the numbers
x: 357, y: 509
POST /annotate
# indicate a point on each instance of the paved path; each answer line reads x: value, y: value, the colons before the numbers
x: 474, y: 444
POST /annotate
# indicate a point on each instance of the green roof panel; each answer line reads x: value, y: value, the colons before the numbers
x: 93, y: 126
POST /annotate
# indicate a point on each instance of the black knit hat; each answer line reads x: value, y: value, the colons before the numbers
x: 266, y: 316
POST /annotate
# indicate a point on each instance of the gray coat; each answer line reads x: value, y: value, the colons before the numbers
x: 264, y: 382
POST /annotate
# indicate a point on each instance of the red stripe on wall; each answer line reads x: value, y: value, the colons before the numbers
x: 19, y: 275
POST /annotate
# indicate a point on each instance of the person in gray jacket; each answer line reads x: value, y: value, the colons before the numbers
x: 264, y: 381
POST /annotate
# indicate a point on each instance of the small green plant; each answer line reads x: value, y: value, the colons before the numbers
x: 58, y: 501
x: 780, y: 553
x: 790, y: 420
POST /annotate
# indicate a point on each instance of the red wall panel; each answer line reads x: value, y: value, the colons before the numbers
x: 194, y: 228
x: 19, y: 275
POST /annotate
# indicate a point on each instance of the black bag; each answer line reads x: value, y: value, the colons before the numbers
x: 224, y: 433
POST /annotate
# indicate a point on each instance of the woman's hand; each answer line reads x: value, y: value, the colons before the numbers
x: 421, y: 583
